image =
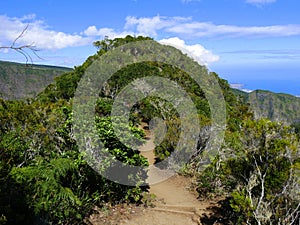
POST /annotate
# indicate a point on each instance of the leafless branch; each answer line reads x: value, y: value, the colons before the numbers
x: 22, y: 48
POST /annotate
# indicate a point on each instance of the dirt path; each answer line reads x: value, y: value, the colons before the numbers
x: 146, y: 150
x: 175, y: 205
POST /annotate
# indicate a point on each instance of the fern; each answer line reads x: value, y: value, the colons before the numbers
x: 45, y: 192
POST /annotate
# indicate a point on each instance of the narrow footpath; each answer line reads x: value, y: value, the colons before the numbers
x: 175, y: 204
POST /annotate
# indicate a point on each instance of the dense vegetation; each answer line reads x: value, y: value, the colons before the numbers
x: 258, y: 171
x: 45, y: 179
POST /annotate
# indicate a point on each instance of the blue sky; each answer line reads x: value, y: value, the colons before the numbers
x: 252, y: 43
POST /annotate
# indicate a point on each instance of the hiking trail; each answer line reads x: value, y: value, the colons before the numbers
x: 175, y: 203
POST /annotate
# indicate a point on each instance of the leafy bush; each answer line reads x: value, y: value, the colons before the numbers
x: 44, y: 178
x: 261, y: 162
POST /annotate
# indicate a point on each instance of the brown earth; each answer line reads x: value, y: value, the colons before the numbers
x: 176, y: 203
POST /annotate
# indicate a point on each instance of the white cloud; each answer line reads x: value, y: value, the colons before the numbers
x: 260, y: 2
x: 37, y: 33
x: 189, y: 29
x: 240, y: 87
x: 204, y: 29
x: 282, y: 54
x: 40, y: 35
x: 4, y: 50
x: 150, y: 25
x: 147, y: 26
x: 93, y: 31
x: 197, y: 51
x: 188, y: 1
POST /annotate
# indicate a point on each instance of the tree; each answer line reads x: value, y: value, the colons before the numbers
x: 109, y: 44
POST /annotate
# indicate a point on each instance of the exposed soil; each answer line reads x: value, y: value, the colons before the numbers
x: 146, y: 150
x: 175, y: 204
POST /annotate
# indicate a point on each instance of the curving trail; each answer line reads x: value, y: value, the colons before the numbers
x: 176, y: 205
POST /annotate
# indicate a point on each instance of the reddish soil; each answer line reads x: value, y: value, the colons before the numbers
x: 175, y: 203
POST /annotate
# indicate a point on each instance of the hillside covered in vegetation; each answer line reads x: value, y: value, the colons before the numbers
x: 20, y: 81
x: 46, y: 179
x: 277, y: 107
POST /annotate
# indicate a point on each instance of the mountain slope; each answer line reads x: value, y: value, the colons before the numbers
x: 47, y: 179
x: 20, y: 81
x: 277, y: 107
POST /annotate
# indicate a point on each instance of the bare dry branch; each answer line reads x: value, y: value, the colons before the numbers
x: 22, y: 48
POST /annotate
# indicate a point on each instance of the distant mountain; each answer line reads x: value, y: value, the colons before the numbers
x: 277, y: 107
x: 21, y: 81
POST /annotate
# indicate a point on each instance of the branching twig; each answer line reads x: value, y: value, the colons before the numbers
x: 22, y: 48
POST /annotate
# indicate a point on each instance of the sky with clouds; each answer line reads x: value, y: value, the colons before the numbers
x: 254, y: 44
